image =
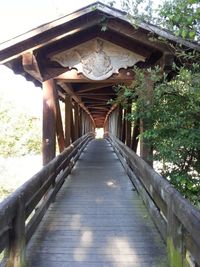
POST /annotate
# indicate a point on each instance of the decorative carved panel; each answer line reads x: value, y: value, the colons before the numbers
x: 97, y: 59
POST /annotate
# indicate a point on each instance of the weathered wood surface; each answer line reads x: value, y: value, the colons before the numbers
x: 49, y: 122
x: 97, y: 219
x: 16, y: 227
x: 68, y: 120
x: 177, y: 220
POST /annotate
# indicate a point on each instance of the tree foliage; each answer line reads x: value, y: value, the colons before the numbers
x: 20, y: 133
x: 182, y: 17
x: 174, y: 115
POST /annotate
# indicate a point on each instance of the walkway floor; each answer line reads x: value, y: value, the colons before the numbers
x: 97, y: 220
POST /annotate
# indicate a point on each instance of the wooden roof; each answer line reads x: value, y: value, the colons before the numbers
x: 29, y: 54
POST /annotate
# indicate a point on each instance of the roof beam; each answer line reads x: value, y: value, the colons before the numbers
x: 91, y: 87
x: 72, y: 76
x: 127, y: 30
x: 34, y: 39
x: 70, y: 92
x: 31, y: 66
x: 97, y: 98
x: 95, y: 94
x: 100, y: 108
x: 97, y: 105
x: 125, y: 42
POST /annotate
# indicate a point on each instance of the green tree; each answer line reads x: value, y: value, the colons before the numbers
x: 175, y: 124
x: 182, y: 17
x: 20, y: 134
x: 175, y: 112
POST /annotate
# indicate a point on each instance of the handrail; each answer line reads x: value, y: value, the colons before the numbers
x: 177, y: 220
x: 22, y: 211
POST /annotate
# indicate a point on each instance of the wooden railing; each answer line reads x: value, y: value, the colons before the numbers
x: 22, y: 211
x: 176, y: 219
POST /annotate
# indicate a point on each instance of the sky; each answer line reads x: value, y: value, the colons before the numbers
x: 17, y: 17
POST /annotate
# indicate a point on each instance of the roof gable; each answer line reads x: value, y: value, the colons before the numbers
x: 90, y: 72
x: 77, y: 21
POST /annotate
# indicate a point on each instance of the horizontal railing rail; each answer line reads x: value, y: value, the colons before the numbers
x: 22, y: 211
x: 176, y: 219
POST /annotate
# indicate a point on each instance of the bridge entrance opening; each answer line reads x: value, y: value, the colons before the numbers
x: 99, y: 133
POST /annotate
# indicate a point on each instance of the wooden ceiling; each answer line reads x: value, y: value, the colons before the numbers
x: 29, y: 54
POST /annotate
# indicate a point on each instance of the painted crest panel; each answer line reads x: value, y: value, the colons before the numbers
x: 97, y: 59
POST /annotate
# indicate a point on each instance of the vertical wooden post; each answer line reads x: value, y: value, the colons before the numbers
x: 106, y: 129
x: 123, y: 130
x: 146, y: 151
x: 85, y: 122
x: 68, y: 120
x: 128, y: 126
x: 119, y: 122
x: 17, y: 238
x: 136, y: 132
x: 49, y: 121
x: 76, y: 125
x: 81, y: 122
x: 59, y: 125
x: 73, y: 125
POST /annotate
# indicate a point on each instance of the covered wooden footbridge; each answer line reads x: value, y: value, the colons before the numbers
x: 97, y: 203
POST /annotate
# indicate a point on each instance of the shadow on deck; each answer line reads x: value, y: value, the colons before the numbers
x: 97, y: 219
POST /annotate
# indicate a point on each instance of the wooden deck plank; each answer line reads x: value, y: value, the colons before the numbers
x: 97, y: 219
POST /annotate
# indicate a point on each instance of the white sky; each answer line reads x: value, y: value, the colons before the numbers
x: 17, y: 17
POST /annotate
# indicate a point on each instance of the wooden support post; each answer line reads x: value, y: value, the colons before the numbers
x: 85, y: 122
x: 81, y: 122
x: 119, y: 122
x: 128, y: 126
x: 49, y: 121
x: 59, y: 125
x: 106, y: 127
x: 73, y: 125
x: 16, y: 253
x: 123, y: 130
x: 146, y: 151
x: 136, y: 132
x: 68, y: 120
x: 76, y: 124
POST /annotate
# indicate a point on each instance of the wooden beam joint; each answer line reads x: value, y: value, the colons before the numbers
x: 31, y: 66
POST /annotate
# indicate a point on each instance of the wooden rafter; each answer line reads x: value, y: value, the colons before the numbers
x: 31, y: 65
x: 69, y: 90
x: 98, y: 98
x: 72, y: 76
x: 126, y: 30
x: 126, y: 43
x: 95, y: 101
x: 13, y: 50
x: 97, y: 104
x: 91, y: 87
x: 101, y: 108
x: 96, y: 94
